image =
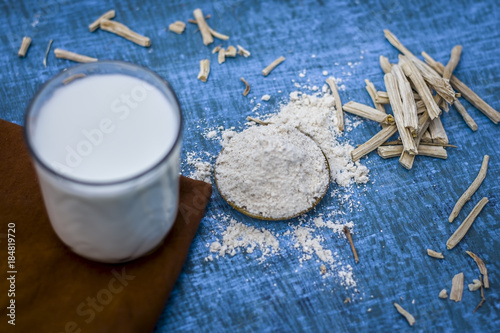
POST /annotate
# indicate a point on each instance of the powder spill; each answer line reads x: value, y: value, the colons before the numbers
x: 311, y: 245
x: 239, y: 237
x: 202, y: 170
x: 307, y: 239
x: 304, y: 238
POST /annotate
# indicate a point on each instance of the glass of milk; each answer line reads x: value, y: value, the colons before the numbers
x: 105, y: 138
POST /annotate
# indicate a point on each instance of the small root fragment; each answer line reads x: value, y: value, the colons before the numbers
x: 177, y: 27
x: 204, y: 70
x: 247, y: 86
x: 435, y: 254
x: 242, y: 51
x: 406, y: 314
x: 106, y: 16
x: 266, y: 71
x: 457, y: 287
x: 25, y: 44
x: 231, y: 51
x: 63, y: 54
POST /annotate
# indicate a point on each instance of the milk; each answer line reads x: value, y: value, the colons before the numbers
x: 100, y: 144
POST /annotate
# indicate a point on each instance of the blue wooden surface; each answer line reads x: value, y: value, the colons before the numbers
x: 401, y: 213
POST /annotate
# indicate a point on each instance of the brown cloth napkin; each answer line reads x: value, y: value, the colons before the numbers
x: 58, y: 291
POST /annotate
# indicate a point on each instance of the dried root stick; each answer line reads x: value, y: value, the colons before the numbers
x: 368, y: 112
x: 466, y: 224
x: 406, y: 159
x: 272, y: 66
x: 247, y: 86
x: 441, y: 86
x: 418, y: 81
x: 482, y: 268
x: 370, y: 88
x: 123, y: 31
x: 438, y: 134
x: 204, y: 28
x: 258, y: 121
x: 338, y: 103
x: 466, y: 92
x: 376, y: 141
x: 465, y: 115
x: 347, y: 232
x: 25, y: 44
x: 406, y: 314
x: 242, y: 51
x: 447, y: 73
x: 434, y: 254
x: 382, y: 97
x: 47, y: 53
x: 218, y: 34
x: 63, y: 54
x: 482, y: 296
x: 385, y: 64
x: 195, y: 22
x: 397, y: 109
x: 423, y: 150
x: 410, y: 119
x: 453, y: 62
x: 204, y: 70
x: 177, y: 27
x: 106, y: 16
x: 457, y: 287
x: 426, y: 138
x: 471, y: 190
x: 221, y: 57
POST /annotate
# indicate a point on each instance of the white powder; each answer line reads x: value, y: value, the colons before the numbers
x: 346, y: 276
x: 202, y: 170
x: 337, y: 227
x: 311, y: 245
x: 316, y: 117
x: 238, y: 237
x: 272, y: 171
x: 227, y: 135
x: 265, y: 98
x: 211, y: 134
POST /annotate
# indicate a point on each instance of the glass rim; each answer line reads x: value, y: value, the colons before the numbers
x: 83, y: 66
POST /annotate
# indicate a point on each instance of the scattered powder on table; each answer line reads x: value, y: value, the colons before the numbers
x: 202, y: 169
x: 239, y: 236
x: 311, y: 245
x: 336, y: 227
x: 212, y: 134
x: 273, y: 171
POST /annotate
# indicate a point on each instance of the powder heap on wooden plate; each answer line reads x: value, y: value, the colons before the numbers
x: 314, y: 115
x: 272, y: 171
